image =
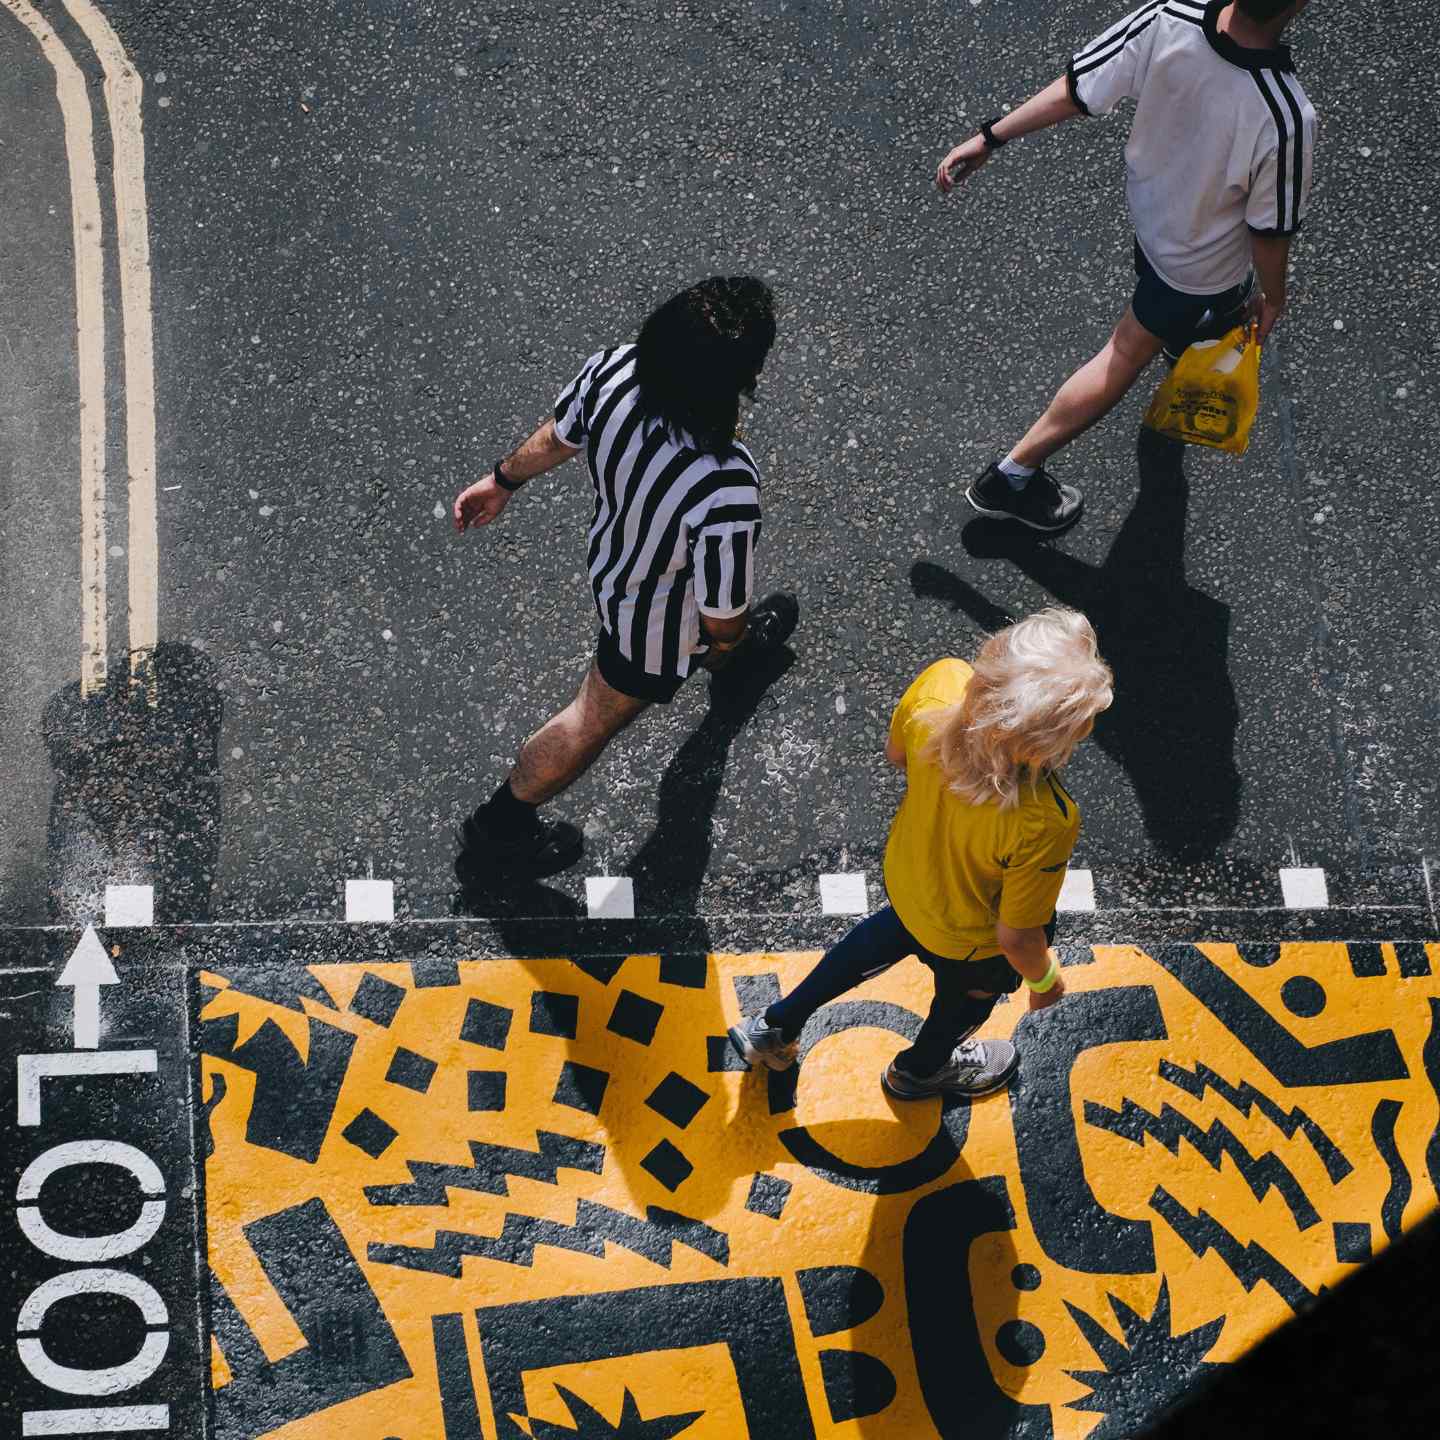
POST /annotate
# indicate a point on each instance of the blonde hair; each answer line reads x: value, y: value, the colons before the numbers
x: 1037, y: 687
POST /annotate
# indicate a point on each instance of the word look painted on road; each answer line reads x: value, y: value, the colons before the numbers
x: 92, y: 1337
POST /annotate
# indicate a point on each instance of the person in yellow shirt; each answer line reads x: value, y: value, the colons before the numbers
x: 976, y: 855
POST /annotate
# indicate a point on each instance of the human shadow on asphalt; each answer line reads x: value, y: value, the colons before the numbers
x: 137, y: 797
x: 668, y: 870
x: 1172, y: 726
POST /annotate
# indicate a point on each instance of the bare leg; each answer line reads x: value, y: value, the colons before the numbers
x: 1091, y: 392
x: 565, y: 747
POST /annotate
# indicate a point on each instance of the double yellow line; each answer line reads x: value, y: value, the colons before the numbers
x: 122, y: 92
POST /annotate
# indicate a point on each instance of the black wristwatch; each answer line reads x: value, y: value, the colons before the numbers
x: 987, y: 133
x: 503, y: 480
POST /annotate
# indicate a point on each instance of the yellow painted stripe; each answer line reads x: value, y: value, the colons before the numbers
x: 90, y: 335
x: 123, y: 92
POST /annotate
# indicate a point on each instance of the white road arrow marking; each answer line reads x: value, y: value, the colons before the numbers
x: 86, y: 971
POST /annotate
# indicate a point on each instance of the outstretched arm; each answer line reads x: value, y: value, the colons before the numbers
x: 482, y: 502
x: 1052, y: 105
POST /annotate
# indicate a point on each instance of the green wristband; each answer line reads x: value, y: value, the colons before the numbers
x: 1046, y: 981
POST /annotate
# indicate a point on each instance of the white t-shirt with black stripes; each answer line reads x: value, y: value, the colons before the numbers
x: 675, y: 528
x: 1223, y: 138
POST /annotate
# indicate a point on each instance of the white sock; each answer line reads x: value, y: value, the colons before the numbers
x: 1017, y: 474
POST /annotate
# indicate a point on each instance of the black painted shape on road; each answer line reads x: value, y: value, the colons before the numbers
x: 689, y: 968
x: 749, y: 1316
x: 486, y: 1024
x: 668, y: 1165
x: 603, y: 968
x: 1303, y: 996
x: 1250, y: 1264
x: 955, y: 1378
x: 1430, y: 1055
x: 1354, y: 1060
x: 756, y: 992
x: 368, y: 1132
x: 930, y: 1164
x: 485, y: 1090
x: 1414, y: 959
x: 1261, y: 1173
x: 677, y: 1099
x: 431, y: 972
x: 411, y: 1070
x: 459, y: 1409
x: 1366, y: 960
x: 838, y: 1297
x: 1382, y: 1131
x: 554, y: 1013
x: 1245, y: 1098
x: 768, y: 1194
x: 581, y: 1087
x: 721, y: 1055
x: 634, y: 1017
x: 1261, y: 956
x: 1352, y: 1242
x: 377, y: 999
x: 856, y: 1384
x: 595, y: 1226
x: 350, y: 1349
x: 1020, y: 1342
x: 1073, y: 1228
x: 1144, y: 1374
x: 491, y: 1169
x: 294, y: 1099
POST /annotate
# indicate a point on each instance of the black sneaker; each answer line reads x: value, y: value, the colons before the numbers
x: 552, y: 846
x: 1044, y: 504
x: 762, y: 657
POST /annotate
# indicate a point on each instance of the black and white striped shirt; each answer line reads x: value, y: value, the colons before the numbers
x: 675, y: 529
x: 1223, y: 139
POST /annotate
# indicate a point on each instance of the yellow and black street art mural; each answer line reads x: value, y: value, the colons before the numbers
x: 491, y: 1199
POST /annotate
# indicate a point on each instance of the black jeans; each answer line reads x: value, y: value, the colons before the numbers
x: 875, y: 945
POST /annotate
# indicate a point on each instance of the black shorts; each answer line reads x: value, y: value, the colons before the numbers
x: 995, y: 973
x: 1180, y: 319
x: 628, y: 678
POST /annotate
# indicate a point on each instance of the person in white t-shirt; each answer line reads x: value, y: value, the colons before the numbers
x: 1218, y: 170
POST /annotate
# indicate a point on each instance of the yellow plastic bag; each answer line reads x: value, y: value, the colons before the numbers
x: 1211, y: 395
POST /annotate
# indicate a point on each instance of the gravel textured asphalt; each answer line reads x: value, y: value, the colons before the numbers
x: 385, y: 235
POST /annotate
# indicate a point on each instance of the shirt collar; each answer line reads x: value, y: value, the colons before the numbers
x: 1277, y: 58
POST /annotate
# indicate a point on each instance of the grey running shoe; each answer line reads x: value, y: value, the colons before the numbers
x: 1044, y: 503
x: 975, y: 1068
x: 762, y: 1044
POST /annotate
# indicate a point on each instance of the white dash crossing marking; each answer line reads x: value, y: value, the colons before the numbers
x: 1304, y: 888
x: 370, y: 902
x: 129, y: 905
x: 844, y: 894
x: 610, y: 897
x: 107, y: 1420
x: 1077, y: 891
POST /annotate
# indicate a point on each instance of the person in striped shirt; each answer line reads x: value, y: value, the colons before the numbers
x: 1218, y: 164
x: 671, y: 549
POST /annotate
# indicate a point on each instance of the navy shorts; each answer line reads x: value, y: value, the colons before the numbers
x: 631, y: 679
x: 1180, y: 319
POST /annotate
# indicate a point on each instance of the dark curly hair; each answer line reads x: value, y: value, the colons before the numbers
x: 1264, y: 11
x: 700, y: 351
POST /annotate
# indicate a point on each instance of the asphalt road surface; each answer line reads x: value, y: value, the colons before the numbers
x: 383, y: 235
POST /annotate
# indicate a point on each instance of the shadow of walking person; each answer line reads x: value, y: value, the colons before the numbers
x: 1172, y: 727
x: 137, y: 788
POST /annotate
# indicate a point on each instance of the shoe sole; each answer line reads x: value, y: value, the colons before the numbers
x: 980, y: 509
x: 990, y: 1089
x: 751, y: 1056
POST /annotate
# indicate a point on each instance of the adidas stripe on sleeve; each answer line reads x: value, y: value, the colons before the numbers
x: 1280, y: 181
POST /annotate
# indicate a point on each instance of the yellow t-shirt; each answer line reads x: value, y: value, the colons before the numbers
x: 952, y: 868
